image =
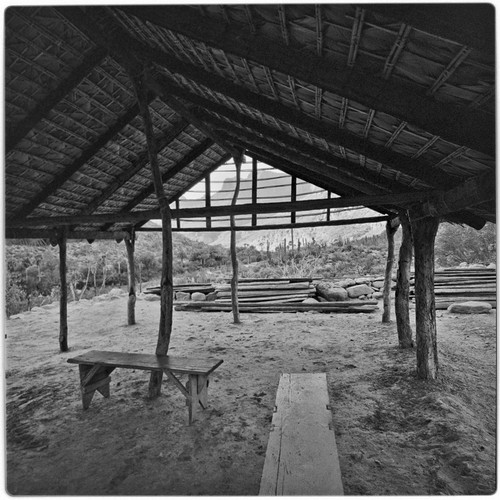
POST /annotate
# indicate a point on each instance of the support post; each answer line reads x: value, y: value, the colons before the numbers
x: 238, y: 160
x: 207, y: 199
x: 402, y: 303
x: 424, y: 234
x: 166, y: 284
x: 130, y: 245
x: 389, y: 231
x: 63, y: 299
x: 254, y: 189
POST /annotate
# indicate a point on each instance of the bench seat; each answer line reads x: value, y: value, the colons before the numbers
x: 96, y: 367
x: 301, y: 456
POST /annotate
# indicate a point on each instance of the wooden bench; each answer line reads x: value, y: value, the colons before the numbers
x: 96, y: 367
x: 301, y: 456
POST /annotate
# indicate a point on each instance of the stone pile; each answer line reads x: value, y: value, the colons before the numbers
x: 351, y: 289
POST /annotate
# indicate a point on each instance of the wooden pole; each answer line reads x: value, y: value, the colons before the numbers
x: 130, y: 245
x: 207, y: 199
x: 402, y: 303
x: 254, y: 189
x: 424, y: 234
x: 63, y: 299
x: 389, y: 231
x: 166, y: 284
x: 234, y: 259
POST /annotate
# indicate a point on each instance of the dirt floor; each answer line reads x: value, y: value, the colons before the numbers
x: 396, y: 435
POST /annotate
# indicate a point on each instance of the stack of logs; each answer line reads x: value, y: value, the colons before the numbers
x: 462, y: 285
x: 186, y: 291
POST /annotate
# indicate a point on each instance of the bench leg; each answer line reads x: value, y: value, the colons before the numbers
x: 203, y: 391
x: 94, y: 378
x: 193, y: 397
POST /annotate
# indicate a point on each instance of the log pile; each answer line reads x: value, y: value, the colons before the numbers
x: 351, y: 306
x: 184, y: 291
x: 268, y: 291
x: 462, y: 285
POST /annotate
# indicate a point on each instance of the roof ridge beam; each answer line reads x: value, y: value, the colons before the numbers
x: 43, y: 108
x: 402, y: 100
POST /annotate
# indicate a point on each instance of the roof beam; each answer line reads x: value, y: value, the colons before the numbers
x: 471, y: 24
x: 331, y: 133
x: 13, y: 136
x: 402, y: 100
x: 69, y: 171
x: 28, y: 233
x: 221, y: 211
x: 473, y: 191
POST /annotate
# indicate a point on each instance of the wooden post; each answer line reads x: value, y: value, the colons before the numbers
x: 207, y: 199
x: 234, y: 259
x: 63, y: 299
x: 293, y: 198
x: 389, y: 231
x: 424, y: 234
x: 166, y: 283
x: 178, y: 218
x: 254, y: 189
x: 130, y: 245
x: 402, y: 305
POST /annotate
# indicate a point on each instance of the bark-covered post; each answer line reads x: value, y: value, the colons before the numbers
x: 390, y: 231
x: 63, y: 299
x: 402, y: 303
x: 424, y: 234
x: 166, y: 284
x: 238, y: 160
x: 130, y: 245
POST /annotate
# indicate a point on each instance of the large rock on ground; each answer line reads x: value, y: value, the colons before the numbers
x: 198, y: 296
x: 182, y: 296
x: 310, y: 300
x: 470, y: 307
x: 345, y: 283
x: 357, y: 290
x: 330, y: 291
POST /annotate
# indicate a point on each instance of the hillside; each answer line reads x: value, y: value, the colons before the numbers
x: 276, y: 190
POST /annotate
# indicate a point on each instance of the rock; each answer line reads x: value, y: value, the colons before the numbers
x: 491, y: 266
x: 310, y: 300
x: 322, y: 299
x: 151, y: 297
x: 377, y: 295
x: 211, y: 296
x: 116, y: 292
x: 476, y: 266
x: 345, y: 283
x: 362, y: 281
x: 198, y: 296
x: 463, y: 264
x: 470, y: 307
x: 182, y: 296
x: 331, y: 291
x: 357, y: 290
x: 378, y: 284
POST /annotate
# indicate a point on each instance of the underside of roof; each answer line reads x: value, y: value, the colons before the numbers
x: 363, y: 101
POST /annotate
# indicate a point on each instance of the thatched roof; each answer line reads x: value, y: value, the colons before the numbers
x: 358, y: 99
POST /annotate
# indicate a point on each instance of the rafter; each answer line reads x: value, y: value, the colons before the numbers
x: 450, y: 69
x: 319, y: 29
x: 393, y: 160
x: 357, y: 30
x: 401, y: 99
x: 12, y: 137
x: 283, y: 24
x: 397, y: 48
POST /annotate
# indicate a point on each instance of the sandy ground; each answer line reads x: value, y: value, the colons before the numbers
x: 395, y: 435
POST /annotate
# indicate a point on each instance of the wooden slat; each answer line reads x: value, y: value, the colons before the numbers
x: 149, y: 362
x: 302, y: 457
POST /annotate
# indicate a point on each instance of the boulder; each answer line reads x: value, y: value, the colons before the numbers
x: 331, y: 291
x: 151, y: 297
x: 345, y: 283
x: 470, y: 307
x: 377, y: 295
x: 378, y: 284
x: 198, y: 296
x: 357, y: 290
x: 491, y: 266
x: 116, y: 292
x: 362, y: 281
x: 211, y: 296
x: 309, y: 300
x: 182, y: 296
